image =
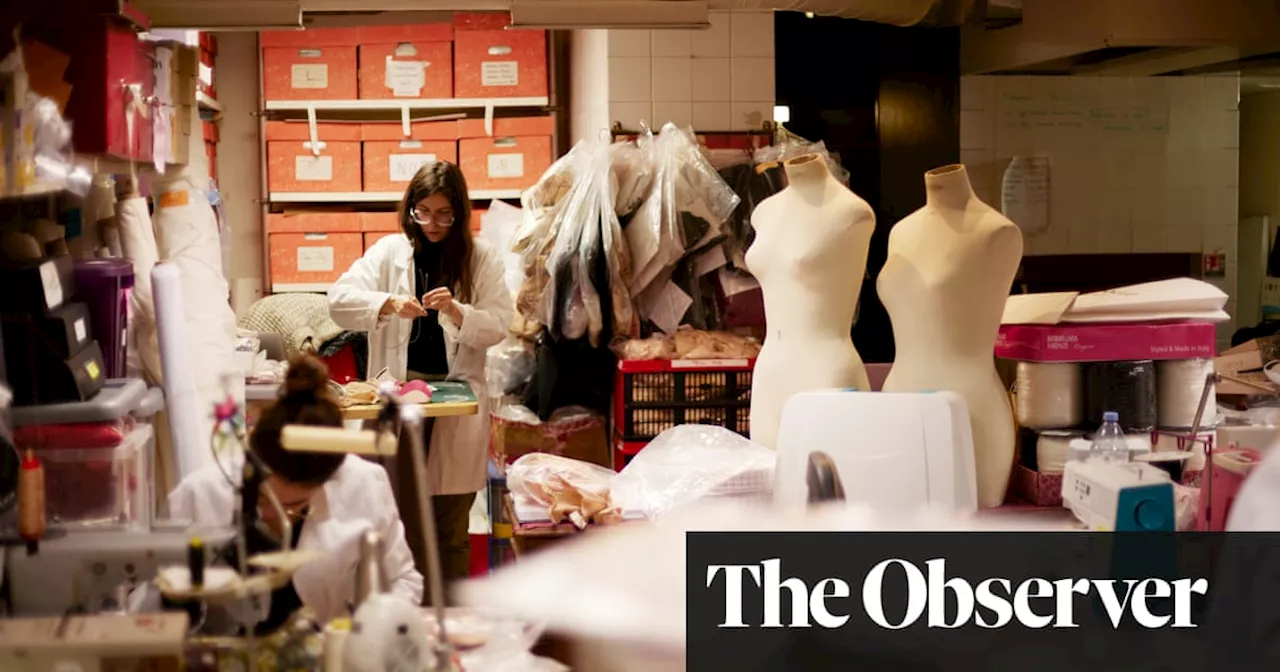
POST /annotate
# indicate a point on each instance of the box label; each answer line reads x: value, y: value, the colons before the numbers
x: 52, y: 285
x: 406, y: 79
x: 81, y: 330
x: 404, y: 166
x: 500, y: 73
x: 309, y: 76
x: 506, y: 166
x: 315, y: 259
x: 309, y: 168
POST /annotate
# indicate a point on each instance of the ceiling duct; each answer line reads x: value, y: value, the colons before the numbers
x: 1132, y: 38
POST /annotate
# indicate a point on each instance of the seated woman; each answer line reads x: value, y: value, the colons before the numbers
x: 331, y: 501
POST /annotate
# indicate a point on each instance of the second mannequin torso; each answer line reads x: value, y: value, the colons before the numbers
x: 809, y: 255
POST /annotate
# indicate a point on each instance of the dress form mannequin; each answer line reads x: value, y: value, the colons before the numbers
x: 944, y: 285
x: 809, y: 255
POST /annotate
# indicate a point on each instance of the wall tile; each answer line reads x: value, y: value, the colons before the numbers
x: 1184, y: 239
x: 678, y: 113
x: 1222, y: 92
x: 1147, y: 241
x: 752, y: 79
x: 672, y: 79
x: 712, y: 79
x: 711, y: 116
x: 749, y: 116
x: 630, y: 115
x: 976, y: 130
x: 714, y: 41
x: 1219, y: 240
x: 977, y: 93
x: 629, y: 43
x: 672, y: 42
x: 751, y: 34
x: 1221, y: 206
x: 630, y: 79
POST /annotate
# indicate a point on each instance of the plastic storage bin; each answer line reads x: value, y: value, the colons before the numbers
x: 92, y: 483
x: 104, y: 284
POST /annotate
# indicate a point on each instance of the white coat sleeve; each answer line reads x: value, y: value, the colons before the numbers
x: 356, y: 299
x: 486, y: 320
x: 402, y: 577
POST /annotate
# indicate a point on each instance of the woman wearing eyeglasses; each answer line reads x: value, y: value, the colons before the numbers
x: 433, y: 301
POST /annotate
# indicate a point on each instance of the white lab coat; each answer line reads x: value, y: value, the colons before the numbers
x: 459, y: 445
x: 355, y: 499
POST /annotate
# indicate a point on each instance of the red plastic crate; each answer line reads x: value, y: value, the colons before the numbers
x: 651, y: 396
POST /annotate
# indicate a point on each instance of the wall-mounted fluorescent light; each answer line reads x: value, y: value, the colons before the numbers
x: 621, y: 14
x: 781, y: 114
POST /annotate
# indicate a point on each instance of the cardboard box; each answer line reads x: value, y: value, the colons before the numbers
x: 318, y: 64
x: 477, y: 216
x: 313, y: 247
x: 380, y: 222
x: 391, y: 158
x: 294, y: 165
x: 371, y: 238
x: 409, y: 70
x: 393, y: 34
x: 514, y: 157
x: 492, y: 62
x: 577, y: 437
x: 1106, y: 342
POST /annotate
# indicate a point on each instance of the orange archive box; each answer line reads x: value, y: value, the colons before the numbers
x: 477, y: 214
x: 379, y: 225
x: 514, y: 157
x: 491, y: 62
x: 391, y: 158
x: 318, y: 64
x: 313, y: 247
x: 294, y: 165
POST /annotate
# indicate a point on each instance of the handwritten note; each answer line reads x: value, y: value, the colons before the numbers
x: 1066, y: 113
x: 1025, y: 193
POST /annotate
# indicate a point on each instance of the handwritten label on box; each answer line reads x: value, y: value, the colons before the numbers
x: 309, y: 76
x: 309, y: 168
x: 404, y: 166
x: 506, y: 166
x: 500, y: 73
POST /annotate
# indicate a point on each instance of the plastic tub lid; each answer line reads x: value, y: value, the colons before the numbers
x: 102, y: 269
x: 117, y: 399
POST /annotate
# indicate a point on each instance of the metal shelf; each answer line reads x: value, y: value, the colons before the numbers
x: 376, y: 196
x: 298, y: 287
x: 410, y: 104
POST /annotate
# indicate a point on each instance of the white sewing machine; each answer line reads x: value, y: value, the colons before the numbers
x: 92, y: 570
x: 895, y: 451
x: 1119, y: 497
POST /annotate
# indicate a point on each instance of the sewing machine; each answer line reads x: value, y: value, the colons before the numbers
x: 1119, y: 497
x: 92, y: 571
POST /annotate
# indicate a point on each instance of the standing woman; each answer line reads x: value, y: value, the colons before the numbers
x: 433, y: 301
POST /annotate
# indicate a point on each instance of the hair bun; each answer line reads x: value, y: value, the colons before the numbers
x: 307, y: 376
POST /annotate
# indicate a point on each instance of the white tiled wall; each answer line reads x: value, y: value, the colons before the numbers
x: 720, y: 79
x: 1147, y: 164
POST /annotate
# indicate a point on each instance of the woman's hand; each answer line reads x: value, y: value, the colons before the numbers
x: 403, y: 306
x: 441, y: 299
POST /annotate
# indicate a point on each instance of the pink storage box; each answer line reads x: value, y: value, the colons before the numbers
x: 1106, y: 342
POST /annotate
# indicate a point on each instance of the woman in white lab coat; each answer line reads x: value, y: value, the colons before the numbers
x: 331, y: 501
x: 433, y: 301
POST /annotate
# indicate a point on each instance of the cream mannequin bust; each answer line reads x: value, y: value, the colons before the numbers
x: 809, y: 255
x: 949, y: 269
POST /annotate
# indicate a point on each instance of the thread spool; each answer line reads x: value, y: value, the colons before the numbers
x: 1180, y: 385
x: 1053, y: 450
x: 1049, y: 395
x: 31, y: 501
x: 1128, y: 388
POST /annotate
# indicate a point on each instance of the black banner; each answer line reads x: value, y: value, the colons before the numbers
x: 982, y: 601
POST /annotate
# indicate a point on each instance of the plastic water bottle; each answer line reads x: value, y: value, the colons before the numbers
x: 1109, y: 444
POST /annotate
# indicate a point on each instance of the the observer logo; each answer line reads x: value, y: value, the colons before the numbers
x: 952, y: 602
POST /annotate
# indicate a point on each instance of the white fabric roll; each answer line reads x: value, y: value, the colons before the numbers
x: 98, y: 205
x: 139, y: 243
x: 189, y: 427
x: 1053, y: 451
x: 1180, y: 385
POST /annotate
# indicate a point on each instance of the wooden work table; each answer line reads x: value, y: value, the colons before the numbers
x: 258, y: 396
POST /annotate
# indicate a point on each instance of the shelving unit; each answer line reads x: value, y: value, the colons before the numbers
x: 529, y: 104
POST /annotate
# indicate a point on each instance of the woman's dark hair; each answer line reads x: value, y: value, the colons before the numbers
x: 305, y: 400
x: 442, y: 177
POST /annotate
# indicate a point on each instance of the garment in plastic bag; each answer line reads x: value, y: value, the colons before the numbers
x: 188, y: 235
x: 498, y: 225
x: 536, y: 238
x: 752, y: 183
x: 692, y: 463
x: 509, y: 367
x: 685, y: 210
x: 570, y: 489
x: 792, y: 146
x: 137, y: 238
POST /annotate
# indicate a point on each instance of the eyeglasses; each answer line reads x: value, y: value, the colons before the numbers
x: 424, y: 217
